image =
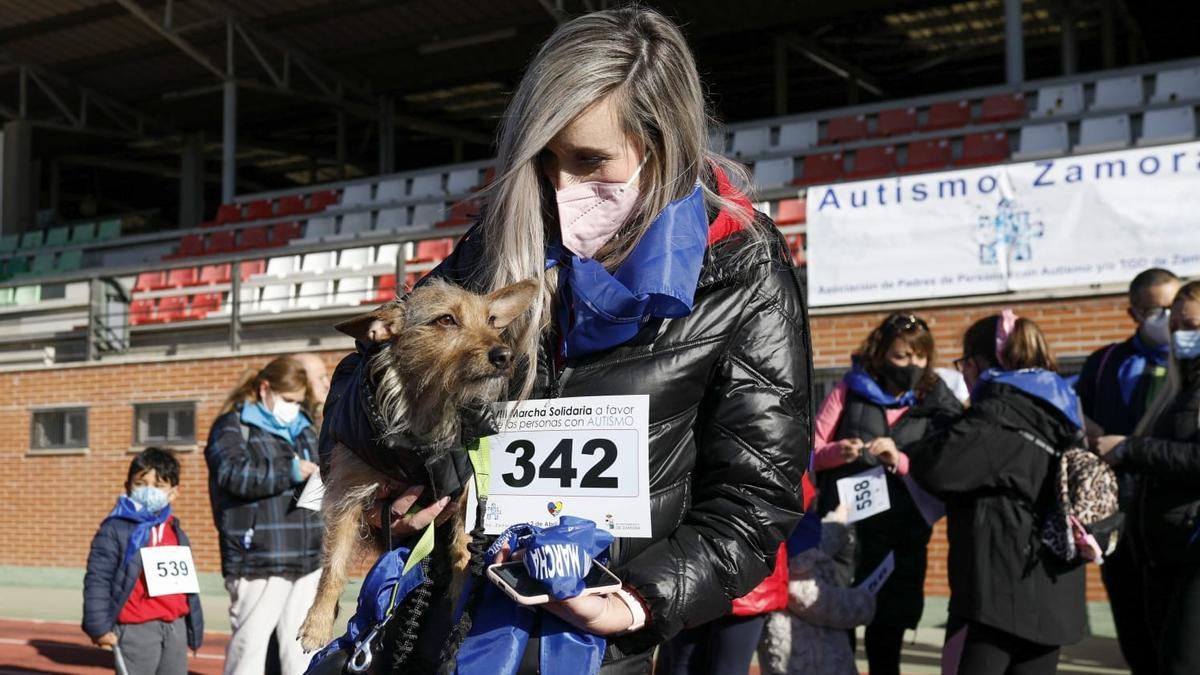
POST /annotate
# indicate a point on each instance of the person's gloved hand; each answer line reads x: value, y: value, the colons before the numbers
x: 475, y: 422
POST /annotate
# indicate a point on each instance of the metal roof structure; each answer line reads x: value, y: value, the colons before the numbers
x: 116, y: 88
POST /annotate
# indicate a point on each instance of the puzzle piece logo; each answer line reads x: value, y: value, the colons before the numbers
x: 555, y: 508
x: 1009, y: 231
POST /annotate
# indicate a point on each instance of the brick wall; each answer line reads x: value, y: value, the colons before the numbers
x: 52, y: 504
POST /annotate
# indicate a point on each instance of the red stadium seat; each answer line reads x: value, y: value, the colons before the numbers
x: 987, y: 148
x: 488, y: 176
x: 896, y: 122
x: 150, y: 281
x: 385, y: 290
x: 795, y: 244
x: 791, y: 212
x: 825, y: 168
x: 257, y: 210
x: 291, y: 205
x: 252, y: 238
x: 874, y: 161
x: 214, y: 274
x: 229, y: 213
x: 949, y: 115
x: 319, y: 200
x: 171, y: 308
x: 282, y: 233
x: 251, y: 267
x: 141, y: 312
x: 202, y: 304
x: 461, y: 213
x: 929, y: 155
x: 433, y: 250
x: 220, y: 242
x: 190, y: 246
x: 180, y: 278
x: 1001, y: 107
x: 843, y: 129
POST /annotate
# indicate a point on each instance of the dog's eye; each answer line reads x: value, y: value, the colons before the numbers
x: 446, y: 321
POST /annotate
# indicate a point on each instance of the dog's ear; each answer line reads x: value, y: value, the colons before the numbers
x: 376, y: 326
x: 510, y: 302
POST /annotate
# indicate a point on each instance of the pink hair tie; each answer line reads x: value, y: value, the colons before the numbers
x: 1004, y: 328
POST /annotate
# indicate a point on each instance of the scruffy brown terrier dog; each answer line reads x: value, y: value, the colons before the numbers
x: 449, y: 349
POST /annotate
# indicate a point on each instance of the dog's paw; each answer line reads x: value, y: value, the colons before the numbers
x: 315, y: 632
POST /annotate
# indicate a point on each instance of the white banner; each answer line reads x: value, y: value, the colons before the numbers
x: 1050, y: 223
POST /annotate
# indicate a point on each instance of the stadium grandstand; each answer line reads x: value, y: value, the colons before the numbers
x: 189, y: 186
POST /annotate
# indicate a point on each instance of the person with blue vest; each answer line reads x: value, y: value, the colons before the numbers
x: 1116, y: 386
x: 151, y: 631
x: 261, y: 451
x: 1013, y: 603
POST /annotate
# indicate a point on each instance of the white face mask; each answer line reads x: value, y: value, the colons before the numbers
x: 285, y: 411
x: 1156, y: 328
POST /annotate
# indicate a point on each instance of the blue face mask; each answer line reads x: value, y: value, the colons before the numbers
x: 1186, y: 344
x: 150, y: 498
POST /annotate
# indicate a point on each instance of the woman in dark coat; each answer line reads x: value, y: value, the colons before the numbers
x: 890, y: 398
x: 1164, y: 520
x: 1012, y: 603
x: 658, y: 279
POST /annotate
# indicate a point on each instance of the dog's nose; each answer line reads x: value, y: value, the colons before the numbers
x: 500, y: 357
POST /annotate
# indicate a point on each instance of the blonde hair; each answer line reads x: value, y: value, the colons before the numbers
x: 1026, y: 346
x: 1170, y: 389
x: 639, y: 57
x: 283, y: 373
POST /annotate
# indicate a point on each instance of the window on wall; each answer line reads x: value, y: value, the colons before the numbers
x: 64, y: 428
x: 165, y: 423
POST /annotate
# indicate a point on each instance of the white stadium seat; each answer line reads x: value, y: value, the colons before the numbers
x: 770, y: 173
x: 353, y: 224
x: 425, y: 215
x: 314, y: 294
x: 716, y: 142
x: 352, y: 290
x: 354, y: 258
x: 317, y: 262
x: 283, y: 265
x: 1065, y: 99
x: 390, y: 191
x: 1042, y: 140
x: 428, y: 185
x: 275, y: 298
x: 316, y: 229
x: 1176, y: 85
x: 392, y: 219
x: 1118, y: 92
x: 797, y: 135
x: 356, y: 195
x: 1168, y: 126
x: 462, y: 181
x: 1103, y: 133
x: 750, y: 142
x: 386, y: 255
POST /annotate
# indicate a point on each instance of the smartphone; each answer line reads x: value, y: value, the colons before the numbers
x: 514, y: 580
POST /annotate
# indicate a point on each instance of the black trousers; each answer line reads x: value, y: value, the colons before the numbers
x: 1123, y: 580
x: 1173, y: 610
x: 722, y: 647
x: 975, y: 649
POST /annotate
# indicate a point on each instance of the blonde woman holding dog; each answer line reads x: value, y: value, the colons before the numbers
x: 658, y: 278
x: 261, y: 451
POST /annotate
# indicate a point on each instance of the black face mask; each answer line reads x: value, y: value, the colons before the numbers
x: 900, y: 378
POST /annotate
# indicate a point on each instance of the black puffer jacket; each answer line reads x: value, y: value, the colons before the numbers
x: 253, y: 495
x: 730, y: 422
x: 1166, y: 506
x: 995, y: 483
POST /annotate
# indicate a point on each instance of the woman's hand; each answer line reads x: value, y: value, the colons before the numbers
x: 1108, y: 448
x: 851, y: 449
x: 885, y: 449
x: 403, y: 523
x: 597, y: 614
x: 106, y: 641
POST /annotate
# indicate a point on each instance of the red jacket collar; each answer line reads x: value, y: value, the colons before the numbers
x: 725, y: 223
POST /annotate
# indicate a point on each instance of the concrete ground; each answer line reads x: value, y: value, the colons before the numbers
x: 40, y: 611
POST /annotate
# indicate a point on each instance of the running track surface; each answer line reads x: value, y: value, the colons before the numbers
x: 48, y: 648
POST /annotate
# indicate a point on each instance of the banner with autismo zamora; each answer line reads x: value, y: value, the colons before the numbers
x: 1043, y: 224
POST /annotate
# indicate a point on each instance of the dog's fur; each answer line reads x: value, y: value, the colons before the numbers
x: 449, y: 348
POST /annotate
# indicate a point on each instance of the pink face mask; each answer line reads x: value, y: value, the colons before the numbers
x: 589, y: 214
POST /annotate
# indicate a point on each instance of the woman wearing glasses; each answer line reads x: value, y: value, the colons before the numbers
x: 1012, y: 604
x: 891, y: 397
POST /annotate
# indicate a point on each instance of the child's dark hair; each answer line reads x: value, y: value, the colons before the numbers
x: 162, y: 461
x: 1026, y: 347
x: 914, y: 332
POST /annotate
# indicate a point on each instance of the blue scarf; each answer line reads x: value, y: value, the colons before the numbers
x: 807, y: 535
x: 1041, y: 384
x: 127, y: 509
x: 500, y: 631
x: 257, y: 415
x: 600, y: 310
x: 1132, y: 368
x: 859, y: 381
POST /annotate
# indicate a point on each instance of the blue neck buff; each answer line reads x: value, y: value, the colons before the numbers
x: 1042, y: 384
x: 600, y: 310
x: 500, y: 630
x: 257, y: 415
x: 859, y: 381
x: 1135, y: 366
x: 127, y: 509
